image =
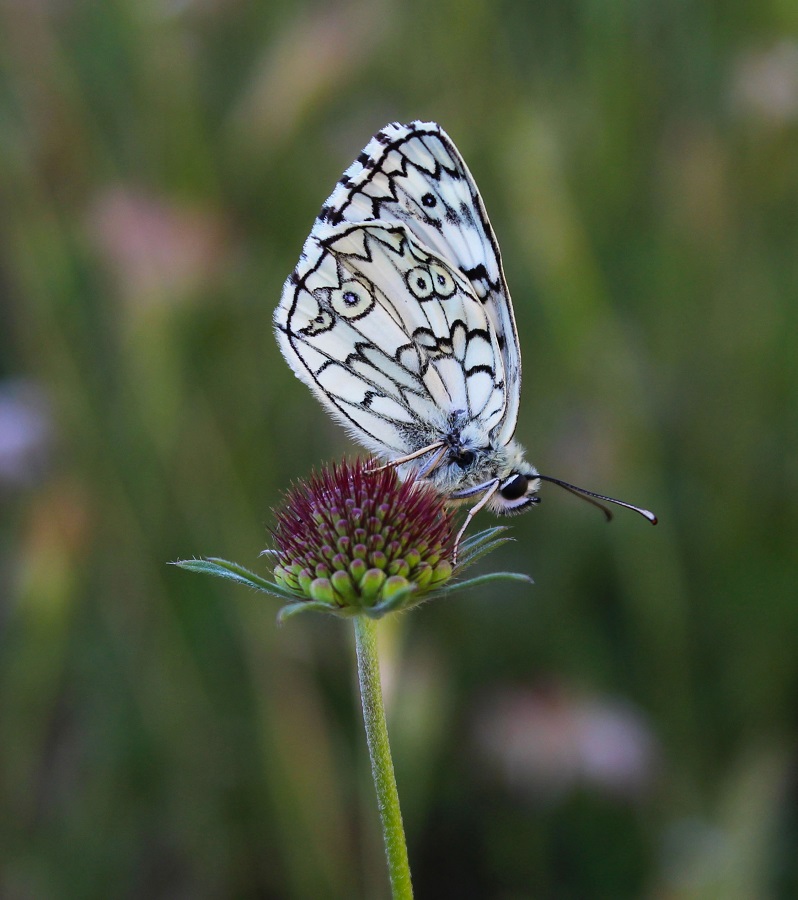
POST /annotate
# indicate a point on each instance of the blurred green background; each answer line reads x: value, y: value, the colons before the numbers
x: 624, y: 728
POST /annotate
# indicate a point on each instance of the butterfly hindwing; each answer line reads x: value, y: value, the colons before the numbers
x: 390, y: 338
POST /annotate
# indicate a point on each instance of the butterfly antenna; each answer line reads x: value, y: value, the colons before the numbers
x: 594, y: 498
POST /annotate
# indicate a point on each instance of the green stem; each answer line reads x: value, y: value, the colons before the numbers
x: 368, y: 670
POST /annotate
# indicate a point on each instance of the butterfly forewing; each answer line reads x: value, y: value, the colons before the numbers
x: 391, y: 338
x: 414, y: 174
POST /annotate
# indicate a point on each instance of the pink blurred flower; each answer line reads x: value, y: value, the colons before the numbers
x: 157, y: 250
x: 765, y: 83
x: 547, y: 742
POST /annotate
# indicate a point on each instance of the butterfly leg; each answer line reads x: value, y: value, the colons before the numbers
x: 411, y: 456
x: 492, y: 488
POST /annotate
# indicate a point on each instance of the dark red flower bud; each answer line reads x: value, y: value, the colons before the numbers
x: 353, y: 538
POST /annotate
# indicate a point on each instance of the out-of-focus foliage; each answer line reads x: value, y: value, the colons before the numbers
x: 624, y: 728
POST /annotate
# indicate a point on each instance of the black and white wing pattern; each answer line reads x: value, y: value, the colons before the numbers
x: 398, y: 315
x: 392, y: 339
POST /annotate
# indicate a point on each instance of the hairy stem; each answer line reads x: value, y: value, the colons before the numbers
x: 381, y: 763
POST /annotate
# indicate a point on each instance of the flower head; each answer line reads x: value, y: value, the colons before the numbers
x: 352, y: 538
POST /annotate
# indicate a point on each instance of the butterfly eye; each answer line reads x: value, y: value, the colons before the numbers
x: 420, y: 283
x: 352, y: 301
x: 442, y: 281
x: 515, y: 488
x: 465, y: 458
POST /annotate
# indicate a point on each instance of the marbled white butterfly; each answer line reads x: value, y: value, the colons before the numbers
x: 399, y: 320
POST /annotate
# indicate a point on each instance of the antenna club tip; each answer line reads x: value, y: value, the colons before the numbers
x: 594, y: 498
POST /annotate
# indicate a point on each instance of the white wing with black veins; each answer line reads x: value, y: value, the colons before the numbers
x: 398, y: 313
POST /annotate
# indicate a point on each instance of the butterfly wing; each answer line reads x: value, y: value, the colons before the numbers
x: 414, y: 174
x: 390, y: 337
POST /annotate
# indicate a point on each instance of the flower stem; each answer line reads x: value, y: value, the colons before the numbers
x: 393, y: 833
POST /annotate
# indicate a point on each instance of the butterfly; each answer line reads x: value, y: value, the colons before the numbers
x: 399, y: 319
